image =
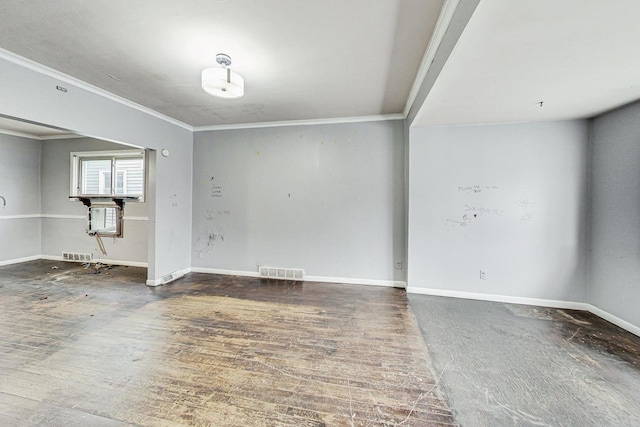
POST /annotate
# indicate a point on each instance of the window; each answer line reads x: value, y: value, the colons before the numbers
x: 102, y: 174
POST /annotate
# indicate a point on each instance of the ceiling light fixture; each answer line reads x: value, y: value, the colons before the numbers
x: 221, y: 81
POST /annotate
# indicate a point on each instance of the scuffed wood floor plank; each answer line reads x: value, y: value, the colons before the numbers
x: 208, y: 351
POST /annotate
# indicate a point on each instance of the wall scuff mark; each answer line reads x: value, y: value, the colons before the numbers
x: 209, y: 239
x: 4, y: 202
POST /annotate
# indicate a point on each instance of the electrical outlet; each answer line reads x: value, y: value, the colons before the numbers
x: 398, y: 265
x: 483, y: 275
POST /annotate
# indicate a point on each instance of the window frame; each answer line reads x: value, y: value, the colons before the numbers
x: 78, y: 157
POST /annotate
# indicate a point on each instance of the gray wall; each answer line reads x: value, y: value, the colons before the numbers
x: 64, y: 222
x: 615, y: 225
x: 32, y: 95
x: 508, y: 200
x: 20, y: 186
x: 325, y: 198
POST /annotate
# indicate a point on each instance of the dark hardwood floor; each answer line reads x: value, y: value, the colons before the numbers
x: 84, y: 349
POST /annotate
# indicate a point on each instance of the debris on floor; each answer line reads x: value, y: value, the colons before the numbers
x: 98, y: 267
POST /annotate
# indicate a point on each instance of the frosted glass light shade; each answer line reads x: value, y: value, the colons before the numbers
x: 216, y: 82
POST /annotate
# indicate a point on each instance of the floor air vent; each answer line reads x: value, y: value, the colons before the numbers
x: 171, y: 277
x: 76, y: 257
x: 281, y: 273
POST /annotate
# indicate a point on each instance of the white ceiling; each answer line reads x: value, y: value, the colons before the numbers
x: 301, y: 60
x: 579, y: 57
x: 333, y: 59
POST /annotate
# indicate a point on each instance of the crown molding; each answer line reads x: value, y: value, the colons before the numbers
x: 331, y: 121
x: 43, y: 69
x: 41, y: 138
x: 62, y: 136
x: 19, y: 134
x: 442, y: 24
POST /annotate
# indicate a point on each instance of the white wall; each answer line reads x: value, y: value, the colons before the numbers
x: 64, y: 222
x: 510, y: 200
x: 614, y: 284
x: 325, y: 198
x: 20, y: 187
x: 32, y: 95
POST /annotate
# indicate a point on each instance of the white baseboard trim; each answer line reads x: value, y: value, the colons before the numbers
x: 614, y: 319
x: 352, y: 281
x: 225, y: 272
x: 153, y: 283
x: 323, y: 279
x: 103, y: 261
x: 569, y: 305
x: 19, y: 260
x: 123, y: 263
x: 175, y: 276
x: 59, y: 258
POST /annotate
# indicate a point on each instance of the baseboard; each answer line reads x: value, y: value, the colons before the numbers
x: 225, y: 272
x: 352, y: 281
x: 153, y: 283
x: 174, y: 276
x: 347, y: 280
x: 19, y: 260
x: 59, y: 258
x: 614, y: 319
x: 103, y: 261
x: 255, y: 274
x: 569, y: 305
